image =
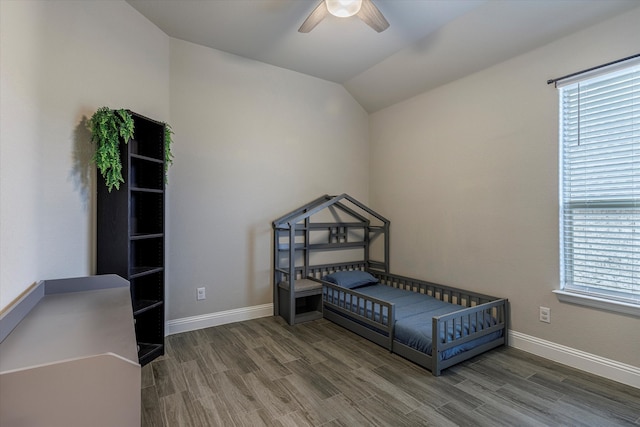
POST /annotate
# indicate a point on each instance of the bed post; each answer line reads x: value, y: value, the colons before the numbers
x: 307, y: 239
x: 392, y: 322
x: 292, y: 272
x: 435, y: 353
x: 276, y: 237
x: 367, y: 242
x: 505, y: 319
x: 386, y: 246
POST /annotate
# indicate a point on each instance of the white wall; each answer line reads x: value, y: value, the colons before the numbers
x: 253, y: 141
x: 59, y: 62
x: 467, y: 173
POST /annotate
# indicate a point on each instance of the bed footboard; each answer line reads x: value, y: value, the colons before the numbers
x: 467, y: 333
x: 369, y: 317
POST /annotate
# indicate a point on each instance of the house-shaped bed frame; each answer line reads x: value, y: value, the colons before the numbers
x: 433, y: 325
x: 328, y: 234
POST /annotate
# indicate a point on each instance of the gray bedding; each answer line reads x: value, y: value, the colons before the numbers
x: 414, y: 314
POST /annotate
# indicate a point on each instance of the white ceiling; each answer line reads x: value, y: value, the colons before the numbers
x: 428, y: 43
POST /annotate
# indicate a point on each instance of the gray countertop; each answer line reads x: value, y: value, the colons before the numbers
x: 68, y: 325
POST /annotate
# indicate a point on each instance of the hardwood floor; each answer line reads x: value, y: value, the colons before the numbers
x: 265, y: 372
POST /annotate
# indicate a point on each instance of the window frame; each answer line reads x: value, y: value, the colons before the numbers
x: 574, y: 295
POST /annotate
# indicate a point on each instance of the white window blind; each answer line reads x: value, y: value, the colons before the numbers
x: 600, y: 185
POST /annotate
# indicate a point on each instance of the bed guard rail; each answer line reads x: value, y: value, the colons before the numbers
x: 319, y: 271
x: 368, y: 311
x: 443, y: 293
x: 468, y: 324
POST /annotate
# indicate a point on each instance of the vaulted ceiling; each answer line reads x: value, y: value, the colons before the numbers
x: 428, y: 43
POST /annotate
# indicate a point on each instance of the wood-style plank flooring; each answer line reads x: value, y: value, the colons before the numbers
x: 265, y: 372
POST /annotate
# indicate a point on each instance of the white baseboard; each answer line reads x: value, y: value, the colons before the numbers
x: 607, y: 368
x: 193, y: 323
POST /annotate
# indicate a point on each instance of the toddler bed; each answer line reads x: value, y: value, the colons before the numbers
x: 331, y: 259
x: 404, y: 315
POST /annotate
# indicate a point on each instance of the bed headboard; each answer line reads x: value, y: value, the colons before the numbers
x: 328, y: 234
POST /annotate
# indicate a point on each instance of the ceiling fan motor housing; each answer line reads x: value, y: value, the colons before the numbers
x: 343, y: 8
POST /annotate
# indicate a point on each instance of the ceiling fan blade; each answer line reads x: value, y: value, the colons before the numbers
x: 370, y: 14
x: 314, y: 18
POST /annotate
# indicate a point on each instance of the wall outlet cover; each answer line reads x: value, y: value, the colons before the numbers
x: 545, y: 314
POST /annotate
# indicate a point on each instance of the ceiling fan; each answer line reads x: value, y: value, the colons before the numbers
x: 364, y: 9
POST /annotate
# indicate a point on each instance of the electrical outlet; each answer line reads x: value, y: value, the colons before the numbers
x: 201, y: 294
x: 545, y: 314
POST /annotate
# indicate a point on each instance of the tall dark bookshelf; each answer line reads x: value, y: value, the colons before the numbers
x: 130, y: 231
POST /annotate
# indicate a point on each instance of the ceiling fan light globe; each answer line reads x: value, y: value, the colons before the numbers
x: 343, y: 8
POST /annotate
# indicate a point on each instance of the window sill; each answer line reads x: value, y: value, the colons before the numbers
x: 600, y: 303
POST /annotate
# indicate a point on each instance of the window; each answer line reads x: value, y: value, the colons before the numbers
x: 600, y: 187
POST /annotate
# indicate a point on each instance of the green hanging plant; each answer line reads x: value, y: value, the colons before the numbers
x: 168, y: 155
x: 107, y: 127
